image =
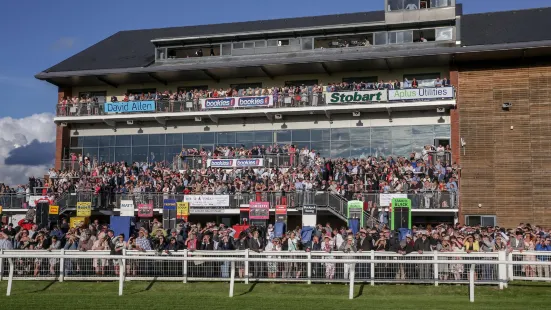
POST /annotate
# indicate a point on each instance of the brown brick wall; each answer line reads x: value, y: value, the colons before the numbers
x: 62, y: 133
x: 506, y: 170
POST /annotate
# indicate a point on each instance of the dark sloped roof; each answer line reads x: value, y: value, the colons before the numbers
x: 506, y: 27
x: 129, y: 49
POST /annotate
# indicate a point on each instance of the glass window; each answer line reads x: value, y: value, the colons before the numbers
x: 401, y: 147
x: 340, y: 134
x: 367, y: 79
x: 400, y: 37
x: 440, y: 3
x: 272, y: 43
x: 171, y: 152
x: 140, y: 154
x: 263, y: 137
x: 300, y: 145
x: 246, y: 86
x: 106, y: 141
x: 380, y: 38
x: 283, y: 135
x: 422, y: 130
x: 106, y: 154
x: 157, y: 139
x: 444, y: 34
x: 294, y: 41
x: 142, y: 91
x: 401, y: 132
x: 340, y: 149
x: 76, y: 141
x: 360, y: 133
x: 90, y: 152
x: 411, y: 5
x: 90, y: 141
x: 123, y: 154
x: 381, y: 147
x: 123, y: 141
x: 301, y: 82
x: 237, y: 45
x: 395, y: 5
x: 360, y: 149
x: 424, y: 79
x: 249, y: 44
x: 322, y: 147
x: 157, y: 153
x: 207, y: 137
x: 442, y: 131
x: 320, y: 135
x: 226, y: 138
x: 140, y: 140
x: 226, y: 49
x: 244, y: 137
x: 301, y: 135
x: 260, y: 44
x: 192, y: 138
x: 307, y: 43
x: 174, y: 139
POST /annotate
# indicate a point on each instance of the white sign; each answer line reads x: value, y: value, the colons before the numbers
x: 237, y: 102
x: 127, y: 208
x: 33, y: 199
x: 386, y: 199
x: 238, y: 163
x: 212, y: 211
x: 367, y: 96
x: 207, y: 200
x: 420, y: 93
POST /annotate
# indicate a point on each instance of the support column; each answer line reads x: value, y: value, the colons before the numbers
x: 62, y: 136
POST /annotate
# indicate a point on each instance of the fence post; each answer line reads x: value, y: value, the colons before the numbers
x: 309, y: 267
x: 10, y: 277
x: 185, y: 266
x: 123, y: 264
x: 372, y: 267
x: 351, y: 289
x: 246, y: 266
x: 510, y: 273
x: 121, y: 276
x: 502, y: 269
x: 232, y: 277
x: 435, y: 268
x: 471, y: 283
x: 62, y: 266
x: 1, y: 264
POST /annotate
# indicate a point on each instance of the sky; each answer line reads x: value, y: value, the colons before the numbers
x: 39, y: 34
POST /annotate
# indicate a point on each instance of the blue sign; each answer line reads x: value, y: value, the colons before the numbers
x: 169, y: 204
x: 129, y: 106
x: 219, y: 103
x: 254, y: 101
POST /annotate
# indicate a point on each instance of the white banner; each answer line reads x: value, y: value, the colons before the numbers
x: 367, y: 96
x: 237, y: 102
x: 421, y: 93
x: 207, y: 200
x: 127, y: 208
x: 238, y: 163
x: 386, y: 199
x: 33, y: 199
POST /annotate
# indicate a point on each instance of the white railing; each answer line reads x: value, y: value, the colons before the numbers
x: 495, y: 268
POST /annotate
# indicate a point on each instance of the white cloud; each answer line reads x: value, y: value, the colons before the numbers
x: 20, y: 132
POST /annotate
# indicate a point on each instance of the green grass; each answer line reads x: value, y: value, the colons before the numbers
x: 162, y: 295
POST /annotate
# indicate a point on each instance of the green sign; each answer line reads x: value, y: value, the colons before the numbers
x: 356, y: 96
x: 400, y: 217
x: 401, y: 202
x: 355, y: 209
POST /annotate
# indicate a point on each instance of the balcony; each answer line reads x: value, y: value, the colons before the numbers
x: 372, y: 100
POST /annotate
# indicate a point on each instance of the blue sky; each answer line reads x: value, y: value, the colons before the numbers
x: 38, y: 34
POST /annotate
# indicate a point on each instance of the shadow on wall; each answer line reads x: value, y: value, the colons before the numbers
x: 33, y: 154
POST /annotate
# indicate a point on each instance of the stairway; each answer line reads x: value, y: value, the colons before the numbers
x: 338, y: 205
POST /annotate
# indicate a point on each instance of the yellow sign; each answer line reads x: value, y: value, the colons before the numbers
x: 75, y: 222
x: 0, y: 209
x: 84, y: 209
x: 54, y: 210
x: 182, y: 209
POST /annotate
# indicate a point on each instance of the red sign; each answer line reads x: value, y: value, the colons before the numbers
x: 259, y: 210
x: 145, y: 210
x: 281, y: 210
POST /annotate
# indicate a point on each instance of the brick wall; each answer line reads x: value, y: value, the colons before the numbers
x: 506, y: 164
x: 62, y: 133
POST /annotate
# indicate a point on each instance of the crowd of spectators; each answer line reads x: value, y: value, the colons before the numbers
x: 151, y: 236
x: 297, y: 95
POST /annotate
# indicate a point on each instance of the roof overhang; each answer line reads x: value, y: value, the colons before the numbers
x: 300, y: 63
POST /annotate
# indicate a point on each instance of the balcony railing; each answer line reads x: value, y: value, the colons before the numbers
x: 303, y: 100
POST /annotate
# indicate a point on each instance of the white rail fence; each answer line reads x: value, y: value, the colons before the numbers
x: 496, y: 268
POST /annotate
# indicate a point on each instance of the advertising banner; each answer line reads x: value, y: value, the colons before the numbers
x: 366, y: 96
x: 309, y: 209
x: 127, y: 208
x: 207, y: 200
x: 169, y: 204
x: 235, y: 163
x: 281, y: 213
x: 386, y: 199
x: 421, y: 93
x: 54, y: 210
x: 33, y: 199
x: 76, y: 221
x: 237, y: 102
x: 259, y: 210
x: 182, y: 210
x: 129, y: 106
x: 145, y: 210
x: 84, y: 209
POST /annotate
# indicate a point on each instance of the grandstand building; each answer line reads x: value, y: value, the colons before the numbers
x: 483, y: 90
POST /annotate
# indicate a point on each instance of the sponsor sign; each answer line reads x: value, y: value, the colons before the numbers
x: 207, y: 200
x: 212, y: 211
x: 53, y: 210
x: 366, y: 96
x: 238, y: 163
x: 401, y: 202
x: 1, y: 209
x: 386, y: 199
x: 169, y: 204
x: 182, y: 210
x: 281, y: 213
x: 237, y: 102
x: 309, y: 209
x: 421, y: 93
x: 355, y: 204
x: 75, y: 222
x: 33, y: 199
x: 84, y: 209
x: 259, y: 210
x: 145, y: 210
x: 127, y: 208
x: 129, y: 106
